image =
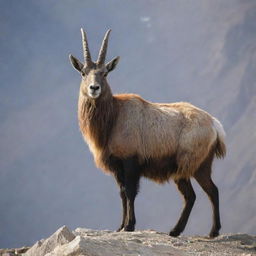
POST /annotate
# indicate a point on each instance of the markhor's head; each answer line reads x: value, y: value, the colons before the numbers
x: 94, y: 73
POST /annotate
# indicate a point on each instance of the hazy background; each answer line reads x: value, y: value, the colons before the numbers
x: 199, y: 51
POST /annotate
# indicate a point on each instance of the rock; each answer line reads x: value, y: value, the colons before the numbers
x: 107, y: 243
x: 42, y: 247
x: 13, y: 252
x: 87, y: 242
x: 21, y: 250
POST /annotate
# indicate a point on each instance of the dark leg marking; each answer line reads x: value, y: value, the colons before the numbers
x: 212, y: 191
x: 120, y: 181
x: 132, y: 178
x: 128, y: 177
x: 189, y: 195
x: 203, y: 177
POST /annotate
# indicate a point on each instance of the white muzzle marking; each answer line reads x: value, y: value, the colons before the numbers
x: 94, y: 93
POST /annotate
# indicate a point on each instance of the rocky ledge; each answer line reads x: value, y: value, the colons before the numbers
x: 86, y: 242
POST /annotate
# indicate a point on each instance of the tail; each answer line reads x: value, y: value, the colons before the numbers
x: 220, y: 150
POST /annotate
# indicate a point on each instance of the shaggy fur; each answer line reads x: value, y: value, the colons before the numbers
x: 176, y: 138
x: 130, y: 137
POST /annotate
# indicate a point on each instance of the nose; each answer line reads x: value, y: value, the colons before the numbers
x: 94, y: 87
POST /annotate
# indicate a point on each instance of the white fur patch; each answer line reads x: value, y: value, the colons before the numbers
x: 219, y: 128
x: 94, y: 94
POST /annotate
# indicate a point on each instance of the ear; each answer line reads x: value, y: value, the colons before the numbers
x: 76, y: 63
x: 112, y: 64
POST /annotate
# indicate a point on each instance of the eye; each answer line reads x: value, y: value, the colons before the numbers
x: 82, y: 74
x: 105, y: 74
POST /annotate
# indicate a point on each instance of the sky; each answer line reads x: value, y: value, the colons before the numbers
x: 170, y: 51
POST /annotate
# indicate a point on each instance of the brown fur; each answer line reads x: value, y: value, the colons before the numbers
x: 96, y: 120
x: 127, y: 125
x: 159, y: 170
x: 220, y: 148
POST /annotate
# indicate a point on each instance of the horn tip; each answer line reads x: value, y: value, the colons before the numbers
x: 71, y: 57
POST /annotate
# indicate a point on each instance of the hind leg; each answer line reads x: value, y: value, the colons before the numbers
x: 203, y: 177
x: 186, y: 189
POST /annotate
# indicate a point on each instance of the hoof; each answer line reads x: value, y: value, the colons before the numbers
x: 120, y: 229
x: 174, y: 233
x: 129, y: 228
x: 213, y: 234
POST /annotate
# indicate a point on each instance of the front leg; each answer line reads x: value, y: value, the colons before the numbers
x: 131, y: 187
x: 119, y: 176
x: 124, y: 206
x: 127, y: 177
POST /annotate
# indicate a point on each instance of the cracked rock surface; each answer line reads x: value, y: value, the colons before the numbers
x: 87, y: 242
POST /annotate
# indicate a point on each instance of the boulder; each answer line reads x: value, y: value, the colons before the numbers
x: 87, y: 242
x: 42, y: 247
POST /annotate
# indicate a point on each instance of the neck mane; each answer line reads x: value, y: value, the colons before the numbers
x: 96, y: 118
